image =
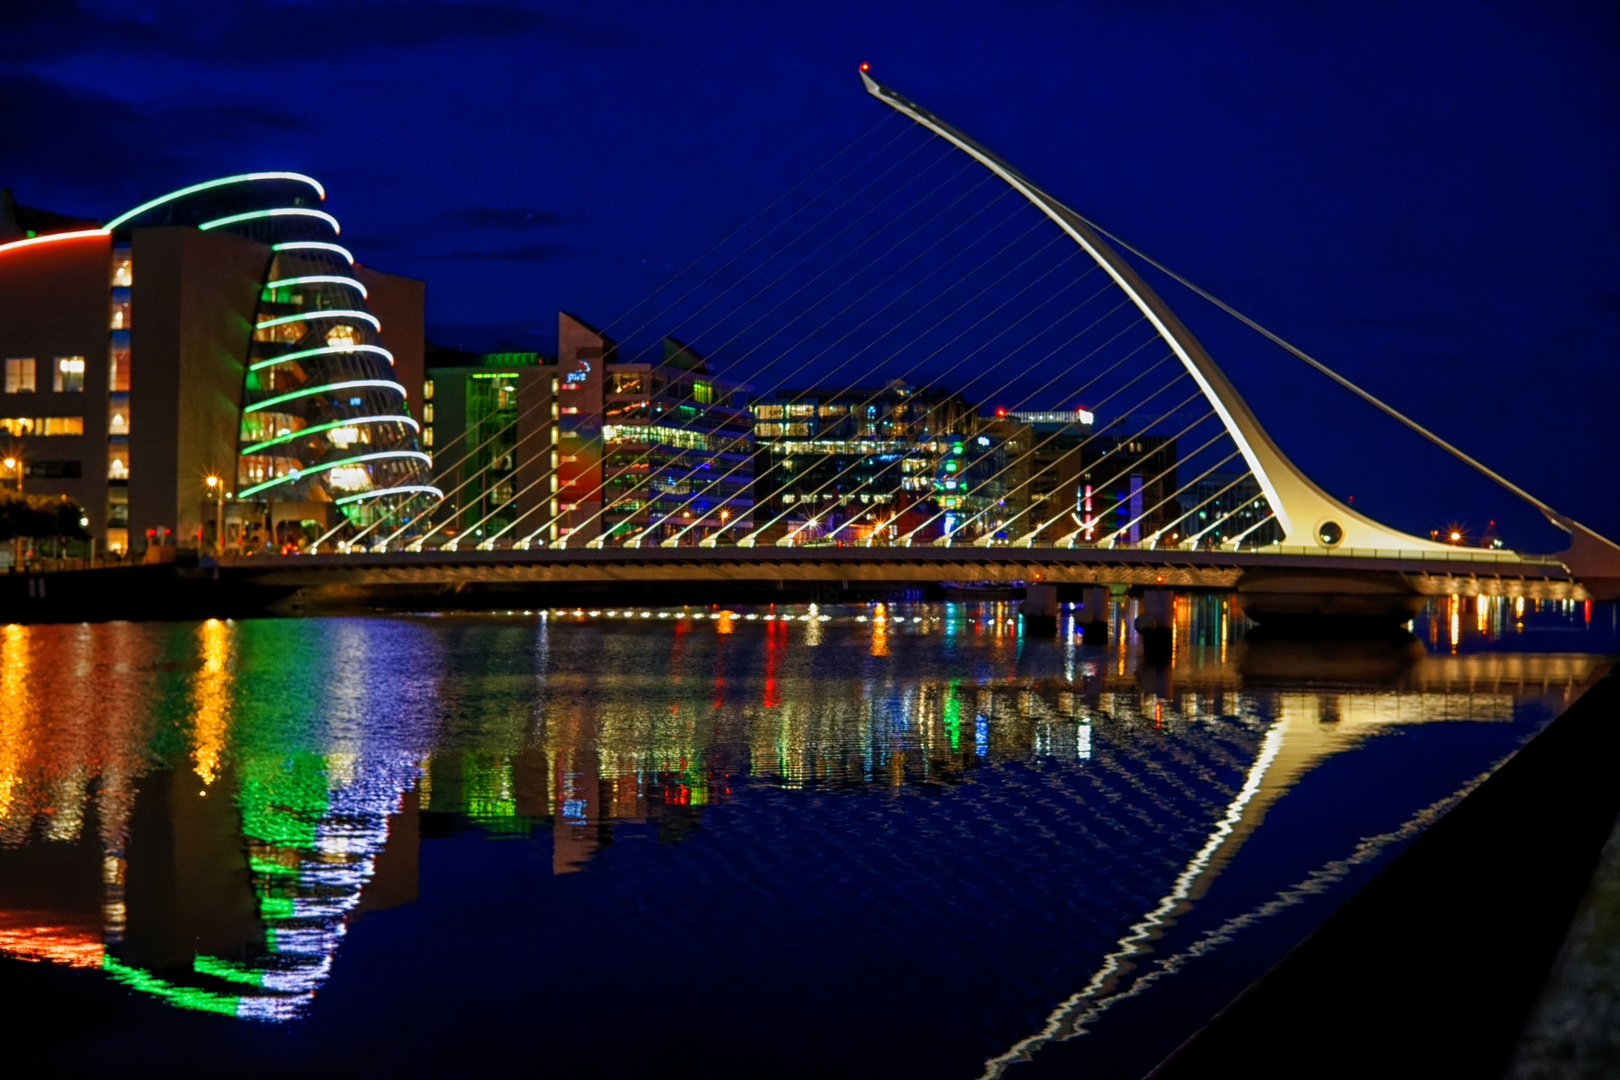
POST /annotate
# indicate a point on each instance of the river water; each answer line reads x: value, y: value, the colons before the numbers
x: 874, y: 841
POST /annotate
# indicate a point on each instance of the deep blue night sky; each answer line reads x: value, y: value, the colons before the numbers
x: 1423, y: 195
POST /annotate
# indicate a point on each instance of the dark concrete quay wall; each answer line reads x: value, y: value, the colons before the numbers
x: 1432, y: 969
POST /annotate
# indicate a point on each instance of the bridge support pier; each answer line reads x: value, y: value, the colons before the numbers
x: 1040, y: 610
x: 1093, y: 616
x: 1155, y: 623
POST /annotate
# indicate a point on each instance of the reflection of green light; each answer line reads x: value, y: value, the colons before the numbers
x: 256, y: 447
x: 276, y: 907
x: 327, y: 466
x: 953, y: 715
x: 308, y: 390
x: 237, y: 219
x: 281, y: 798
x: 269, y: 866
x: 186, y: 997
x: 323, y: 350
x: 194, y: 188
x: 225, y: 969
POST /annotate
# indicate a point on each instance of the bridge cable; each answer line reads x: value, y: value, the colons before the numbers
x: 1300, y: 354
x: 1100, y: 375
x: 1126, y: 470
x: 871, y: 343
x: 762, y: 212
x: 1039, y: 251
x: 695, y: 420
x: 982, y: 374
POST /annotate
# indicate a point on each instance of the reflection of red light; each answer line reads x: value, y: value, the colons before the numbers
x: 865, y: 66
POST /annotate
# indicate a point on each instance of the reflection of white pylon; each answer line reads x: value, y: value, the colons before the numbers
x: 1060, y: 1021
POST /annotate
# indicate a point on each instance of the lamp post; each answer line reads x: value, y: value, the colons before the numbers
x: 14, y: 466
x: 217, y: 487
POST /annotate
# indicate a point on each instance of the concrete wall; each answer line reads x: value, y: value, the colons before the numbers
x: 193, y: 302
x: 582, y: 353
x: 399, y: 304
x: 55, y: 301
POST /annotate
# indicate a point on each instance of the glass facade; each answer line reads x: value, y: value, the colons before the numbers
x: 323, y: 417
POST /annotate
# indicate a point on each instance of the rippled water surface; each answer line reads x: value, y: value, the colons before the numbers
x: 852, y: 841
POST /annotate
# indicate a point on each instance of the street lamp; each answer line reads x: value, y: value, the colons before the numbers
x: 217, y: 487
x: 14, y: 466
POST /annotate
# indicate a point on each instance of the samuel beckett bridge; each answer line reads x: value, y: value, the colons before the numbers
x: 807, y: 421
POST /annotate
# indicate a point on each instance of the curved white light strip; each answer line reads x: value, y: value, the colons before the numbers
x: 311, y: 279
x: 334, y: 313
x: 328, y: 426
x: 79, y: 235
x: 289, y: 211
x: 327, y: 466
x: 194, y: 188
x: 322, y: 245
x: 429, y: 488
x: 325, y: 349
x: 306, y: 391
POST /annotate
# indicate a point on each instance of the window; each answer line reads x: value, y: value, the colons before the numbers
x: 37, y: 425
x: 20, y: 375
x: 121, y: 267
x: 120, y: 314
x: 118, y: 463
x: 427, y: 437
x: 427, y: 390
x: 427, y: 411
x: 118, y: 366
x: 703, y: 393
x: 54, y: 470
x: 69, y: 378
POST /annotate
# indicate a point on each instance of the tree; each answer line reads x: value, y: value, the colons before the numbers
x: 40, y: 516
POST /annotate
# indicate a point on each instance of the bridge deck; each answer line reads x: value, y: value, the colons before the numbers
x: 1080, y: 566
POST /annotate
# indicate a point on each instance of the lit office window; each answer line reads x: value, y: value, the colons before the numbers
x: 427, y: 436
x: 427, y: 412
x: 41, y: 425
x: 118, y: 368
x: 121, y: 267
x: 69, y: 378
x: 120, y: 314
x: 427, y: 390
x: 117, y: 419
x: 20, y: 375
x: 118, y: 464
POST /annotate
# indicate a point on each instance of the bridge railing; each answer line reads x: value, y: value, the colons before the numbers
x: 1466, y: 555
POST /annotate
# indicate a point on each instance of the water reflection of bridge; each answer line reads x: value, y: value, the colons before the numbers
x: 200, y: 812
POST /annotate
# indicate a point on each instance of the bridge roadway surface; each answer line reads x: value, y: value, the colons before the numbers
x: 1533, y: 577
x: 189, y: 586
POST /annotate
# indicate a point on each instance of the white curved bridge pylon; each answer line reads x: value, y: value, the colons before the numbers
x: 1307, y: 515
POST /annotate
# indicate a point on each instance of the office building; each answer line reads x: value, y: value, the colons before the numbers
x: 865, y: 464
x: 582, y: 447
x: 217, y: 331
